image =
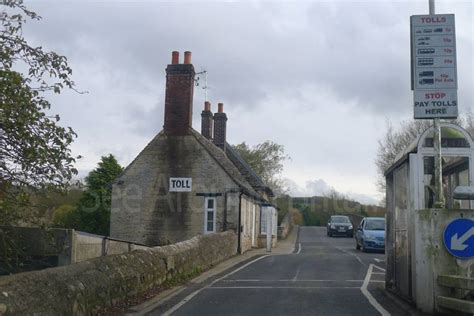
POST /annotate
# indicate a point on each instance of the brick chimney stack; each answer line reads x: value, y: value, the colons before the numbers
x: 206, y: 121
x: 179, y: 95
x: 220, y: 127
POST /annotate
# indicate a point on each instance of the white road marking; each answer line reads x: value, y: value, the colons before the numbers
x: 296, y: 275
x: 299, y: 248
x: 352, y: 254
x: 378, y: 273
x: 380, y: 268
x: 293, y: 280
x: 193, y: 294
x: 369, y: 296
x: 288, y: 280
x: 282, y: 287
x: 378, y: 260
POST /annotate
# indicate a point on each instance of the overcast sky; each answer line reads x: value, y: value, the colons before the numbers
x: 319, y: 77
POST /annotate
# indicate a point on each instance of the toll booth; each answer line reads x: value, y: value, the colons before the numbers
x: 418, y: 261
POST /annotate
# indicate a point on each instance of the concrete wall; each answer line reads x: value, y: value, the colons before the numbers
x: 26, y: 248
x: 432, y: 258
x: 87, y: 246
x: 88, y: 287
x: 143, y: 209
x: 402, y: 236
x: 35, y: 248
x: 399, y: 239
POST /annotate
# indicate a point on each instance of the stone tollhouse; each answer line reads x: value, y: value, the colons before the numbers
x: 185, y: 183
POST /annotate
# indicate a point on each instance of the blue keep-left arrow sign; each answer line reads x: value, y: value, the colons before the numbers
x: 459, y: 238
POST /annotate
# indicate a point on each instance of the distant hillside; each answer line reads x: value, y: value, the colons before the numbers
x: 316, y: 210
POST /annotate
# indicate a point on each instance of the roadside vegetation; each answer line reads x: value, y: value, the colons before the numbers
x: 317, y: 210
x: 266, y: 159
x: 35, y: 154
x: 92, y: 212
x: 37, y: 166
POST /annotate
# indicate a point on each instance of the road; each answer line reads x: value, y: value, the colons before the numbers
x: 324, y: 276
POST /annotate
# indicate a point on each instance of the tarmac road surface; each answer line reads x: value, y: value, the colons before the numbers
x: 323, y: 276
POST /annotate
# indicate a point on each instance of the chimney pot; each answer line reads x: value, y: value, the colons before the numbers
x: 187, y: 57
x: 179, y: 97
x: 207, y: 121
x: 220, y: 127
x: 175, y: 57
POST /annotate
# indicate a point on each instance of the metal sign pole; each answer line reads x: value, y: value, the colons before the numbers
x: 439, y: 195
x: 432, y: 7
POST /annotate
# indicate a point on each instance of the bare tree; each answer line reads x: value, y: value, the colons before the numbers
x: 397, y: 140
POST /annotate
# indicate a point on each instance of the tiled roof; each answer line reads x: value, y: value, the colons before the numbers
x: 247, y: 171
x: 224, y: 161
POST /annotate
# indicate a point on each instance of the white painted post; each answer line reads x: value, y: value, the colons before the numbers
x: 269, y: 228
x: 253, y: 224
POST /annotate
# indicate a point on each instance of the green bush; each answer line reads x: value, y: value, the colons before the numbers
x: 66, y: 216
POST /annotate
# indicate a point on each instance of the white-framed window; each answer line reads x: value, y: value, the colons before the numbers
x: 209, y: 215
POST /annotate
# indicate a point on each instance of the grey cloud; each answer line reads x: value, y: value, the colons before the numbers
x: 359, y: 50
x: 316, y: 77
x: 319, y: 187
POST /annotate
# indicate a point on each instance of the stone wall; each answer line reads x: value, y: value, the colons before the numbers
x: 285, y: 227
x: 90, y: 286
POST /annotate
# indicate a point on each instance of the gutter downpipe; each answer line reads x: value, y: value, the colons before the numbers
x: 239, y: 246
x: 225, y: 211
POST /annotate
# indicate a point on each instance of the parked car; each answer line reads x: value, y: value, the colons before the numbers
x: 340, y: 225
x: 370, y: 235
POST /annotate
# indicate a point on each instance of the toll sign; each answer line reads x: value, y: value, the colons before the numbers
x: 440, y: 103
x: 181, y: 184
x: 434, y: 66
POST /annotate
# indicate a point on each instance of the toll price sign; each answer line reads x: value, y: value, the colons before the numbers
x: 434, y: 72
